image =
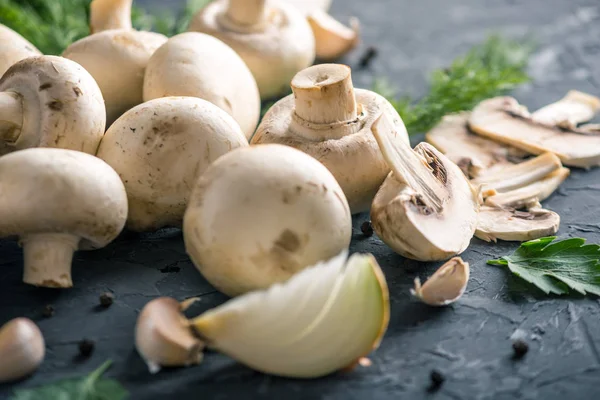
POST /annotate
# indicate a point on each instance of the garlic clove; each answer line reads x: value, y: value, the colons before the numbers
x: 22, y: 349
x: 446, y: 285
x: 342, y: 321
x: 332, y: 38
x: 163, y: 336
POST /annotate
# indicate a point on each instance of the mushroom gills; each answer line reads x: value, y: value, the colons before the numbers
x: 333, y: 39
x: 501, y: 223
x: 503, y: 119
x: 446, y: 285
x: 424, y: 198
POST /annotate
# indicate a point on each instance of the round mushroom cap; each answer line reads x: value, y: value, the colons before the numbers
x: 354, y: 160
x: 262, y: 213
x: 61, y: 191
x: 160, y: 148
x: 274, y: 54
x: 62, y: 104
x: 197, y: 65
x: 14, y: 48
x: 117, y: 59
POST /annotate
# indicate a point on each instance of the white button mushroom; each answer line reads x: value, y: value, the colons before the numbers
x: 273, y: 38
x: 14, y: 48
x: 160, y: 148
x: 198, y: 65
x: 116, y: 58
x: 330, y: 120
x: 57, y: 201
x: 22, y: 349
x: 49, y: 101
x: 262, y: 213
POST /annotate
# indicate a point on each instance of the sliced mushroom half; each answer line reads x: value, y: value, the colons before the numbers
x: 503, y: 119
x: 513, y: 225
x: 426, y: 208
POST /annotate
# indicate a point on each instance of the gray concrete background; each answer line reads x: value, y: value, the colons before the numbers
x: 470, y: 342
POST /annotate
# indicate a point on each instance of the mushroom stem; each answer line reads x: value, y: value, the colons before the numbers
x: 110, y: 14
x: 47, y: 259
x: 11, y: 116
x: 246, y: 12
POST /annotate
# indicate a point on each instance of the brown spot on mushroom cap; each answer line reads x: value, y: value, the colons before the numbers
x: 55, y: 105
x: 287, y: 241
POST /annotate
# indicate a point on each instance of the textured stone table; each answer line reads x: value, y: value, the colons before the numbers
x: 469, y: 342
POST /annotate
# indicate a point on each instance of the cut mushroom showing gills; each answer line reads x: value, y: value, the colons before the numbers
x: 22, y: 349
x: 446, y: 285
x: 14, y: 48
x: 426, y: 209
x: 117, y: 57
x: 57, y: 201
x: 273, y: 38
x: 160, y: 148
x: 328, y: 119
x: 49, y: 101
x: 260, y: 214
x: 503, y: 119
x: 323, y: 319
x: 198, y: 65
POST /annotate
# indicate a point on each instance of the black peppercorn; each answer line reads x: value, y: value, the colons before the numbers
x: 48, y: 311
x: 368, y: 56
x: 520, y: 348
x: 366, y: 228
x: 106, y: 299
x: 86, y: 347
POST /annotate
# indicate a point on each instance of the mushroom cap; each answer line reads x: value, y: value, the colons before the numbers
x: 117, y: 60
x: 160, y: 148
x: 260, y: 214
x: 420, y: 234
x: 275, y: 53
x: 14, y: 48
x: 354, y: 160
x: 22, y: 349
x: 61, y: 191
x: 492, y: 118
x: 62, y: 104
x: 511, y: 225
x: 198, y: 65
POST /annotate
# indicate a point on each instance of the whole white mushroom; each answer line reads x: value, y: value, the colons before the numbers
x: 14, y: 48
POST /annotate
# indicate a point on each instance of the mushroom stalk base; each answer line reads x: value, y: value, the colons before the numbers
x: 47, y: 258
x: 244, y: 15
x: 110, y: 14
x: 11, y: 116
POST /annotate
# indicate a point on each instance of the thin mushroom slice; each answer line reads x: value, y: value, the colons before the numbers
x: 576, y: 107
x: 503, y: 119
x: 529, y: 194
x: 446, y: 285
x: 497, y: 223
x: 332, y: 38
x: 426, y: 208
x: 590, y: 129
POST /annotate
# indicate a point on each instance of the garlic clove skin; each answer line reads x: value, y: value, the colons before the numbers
x: 323, y: 319
x: 22, y: 349
x: 163, y: 337
x: 446, y: 285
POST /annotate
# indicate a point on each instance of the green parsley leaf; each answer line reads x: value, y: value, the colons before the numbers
x: 91, y: 387
x: 554, y: 267
x: 487, y: 70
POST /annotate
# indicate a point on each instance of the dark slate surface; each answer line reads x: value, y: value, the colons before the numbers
x: 470, y: 342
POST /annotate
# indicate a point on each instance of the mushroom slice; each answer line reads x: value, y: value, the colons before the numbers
x: 110, y: 14
x: 590, y: 129
x: 22, y: 349
x: 446, y: 285
x: 14, y: 48
x: 474, y: 154
x: 531, y: 193
x: 576, y: 107
x: 283, y: 331
x: 163, y: 336
x: 272, y: 37
x: 503, y: 119
x: 512, y: 225
x: 426, y: 209
x: 308, y: 6
x: 331, y: 121
x: 49, y: 101
x: 58, y: 201
x: 332, y: 38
